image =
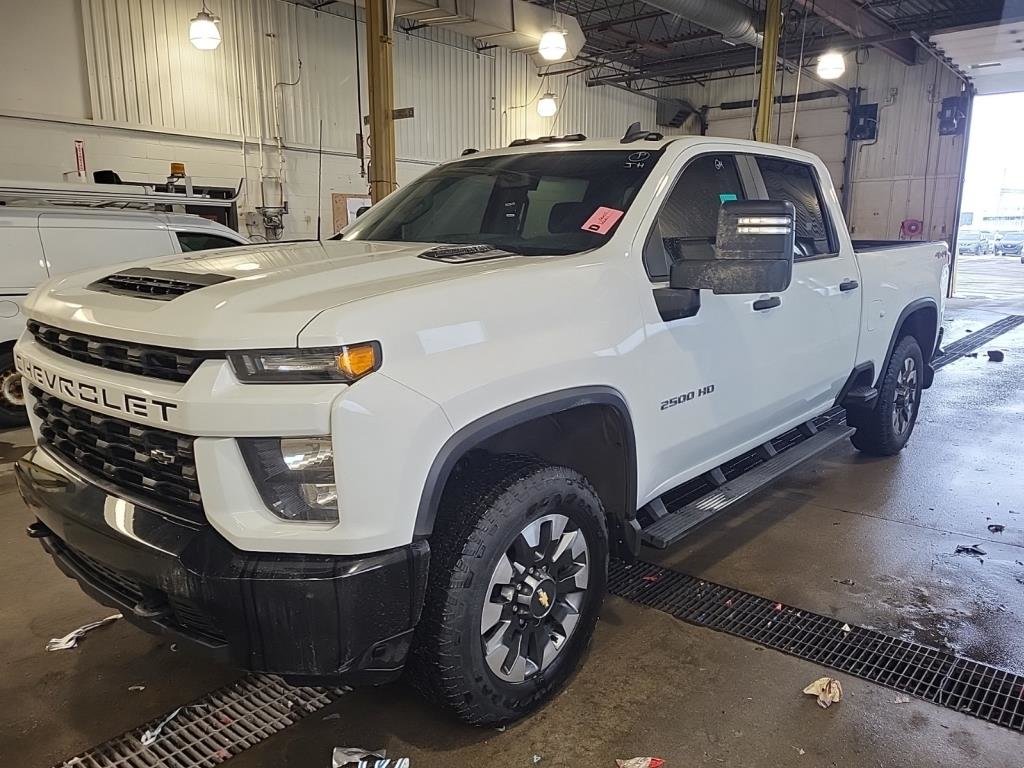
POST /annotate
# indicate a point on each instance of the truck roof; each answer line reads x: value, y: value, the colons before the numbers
x: 572, y: 145
x: 189, y: 221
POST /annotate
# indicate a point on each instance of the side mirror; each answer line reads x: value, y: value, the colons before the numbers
x: 361, y: 210
x: 753, y: 251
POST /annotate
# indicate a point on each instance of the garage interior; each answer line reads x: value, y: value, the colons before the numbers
x: 276, y: 126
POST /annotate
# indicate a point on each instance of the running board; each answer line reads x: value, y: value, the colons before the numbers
x: 670, y: 527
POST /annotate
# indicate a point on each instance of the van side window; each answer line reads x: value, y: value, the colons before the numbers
x: 687, y: 224
x: 795, y: 182
x: 201, y: 241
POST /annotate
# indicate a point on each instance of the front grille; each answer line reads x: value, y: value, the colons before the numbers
x: 129, y: 357
x: 181, y: 614
x: 153, y: 463
x: 159, y: 284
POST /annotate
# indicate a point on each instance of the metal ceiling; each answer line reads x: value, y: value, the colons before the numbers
x: 635, y: 45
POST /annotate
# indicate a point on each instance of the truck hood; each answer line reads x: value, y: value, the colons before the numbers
x: 270, y: 294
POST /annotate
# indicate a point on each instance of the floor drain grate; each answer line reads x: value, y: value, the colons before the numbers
x: 973, y: 341
x: 213, y: 728
x: 936, y: 676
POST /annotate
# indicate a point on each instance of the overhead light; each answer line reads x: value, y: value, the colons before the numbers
x: 548, y: 105
x: 831, y: 65
x: 203, y: 31
x: 552, y: 45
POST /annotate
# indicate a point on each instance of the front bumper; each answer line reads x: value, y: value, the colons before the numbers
x: 306, y: 617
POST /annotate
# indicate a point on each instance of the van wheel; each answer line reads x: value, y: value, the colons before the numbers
x: 12, y: 394
x: 518, y: 570
x: 885, y: 429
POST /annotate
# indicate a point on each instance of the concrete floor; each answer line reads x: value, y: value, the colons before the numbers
x: 651, y: 685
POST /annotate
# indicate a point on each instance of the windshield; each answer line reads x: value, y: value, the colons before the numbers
x: 541, y: 203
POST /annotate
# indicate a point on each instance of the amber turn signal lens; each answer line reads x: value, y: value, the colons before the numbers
x: 357, y: 361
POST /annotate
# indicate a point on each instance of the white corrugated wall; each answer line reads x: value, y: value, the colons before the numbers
x: 909, y: 173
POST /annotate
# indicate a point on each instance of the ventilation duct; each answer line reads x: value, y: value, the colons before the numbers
x: 733, y: 20
x: 514, y: 24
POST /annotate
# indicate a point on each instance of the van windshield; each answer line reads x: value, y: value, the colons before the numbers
x: 533, y: 204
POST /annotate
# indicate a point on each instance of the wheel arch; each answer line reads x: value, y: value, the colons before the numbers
x: 588, y: 429
x: 920, y: 319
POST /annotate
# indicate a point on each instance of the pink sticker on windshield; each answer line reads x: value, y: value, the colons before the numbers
x: 602, y: 220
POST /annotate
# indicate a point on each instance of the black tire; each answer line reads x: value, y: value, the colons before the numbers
x: 495, y: 499
x: 12, y: 412
x: 883, y: 431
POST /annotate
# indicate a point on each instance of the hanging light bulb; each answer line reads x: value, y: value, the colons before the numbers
x: 203, y: 31
x: 548, y: 105
x: 552, y: 44
x: 831, y: 65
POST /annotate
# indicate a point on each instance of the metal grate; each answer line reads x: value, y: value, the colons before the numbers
x: 155, y: 463
x: 126, y: 356
x: 973, y: 341
x: 213, y: 728
x: 985, y: 692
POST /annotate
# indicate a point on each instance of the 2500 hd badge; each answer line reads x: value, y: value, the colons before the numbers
x: 136, y: 405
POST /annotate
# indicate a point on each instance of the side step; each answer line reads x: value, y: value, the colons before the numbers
x: 670, y: 527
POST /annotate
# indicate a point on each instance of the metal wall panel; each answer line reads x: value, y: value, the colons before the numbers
x: 143, y: 71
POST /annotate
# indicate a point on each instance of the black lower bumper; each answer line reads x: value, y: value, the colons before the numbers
x: 306, y: 617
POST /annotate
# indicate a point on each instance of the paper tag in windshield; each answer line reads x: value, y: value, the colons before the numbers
x: 602, y: 220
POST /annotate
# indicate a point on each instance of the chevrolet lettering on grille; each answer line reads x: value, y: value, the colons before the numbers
x: 64, y: 386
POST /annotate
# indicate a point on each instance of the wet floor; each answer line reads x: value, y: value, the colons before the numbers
x: 871, y: 541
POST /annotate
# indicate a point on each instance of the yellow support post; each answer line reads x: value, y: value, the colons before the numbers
x: 380, y: 79
x: 769, y: 57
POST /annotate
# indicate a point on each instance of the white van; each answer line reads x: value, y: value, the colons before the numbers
x: 38, y: 243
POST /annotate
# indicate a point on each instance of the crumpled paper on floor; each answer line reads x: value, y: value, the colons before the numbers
x: 640, y: 762
x: 356, y: 757
x: 828, y: 690
x: 70, y: 640
x: 150, y: 735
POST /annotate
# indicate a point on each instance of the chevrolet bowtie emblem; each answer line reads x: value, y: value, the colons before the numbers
x: 543, y: 598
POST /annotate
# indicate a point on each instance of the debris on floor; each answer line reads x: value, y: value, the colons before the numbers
x: 536, y: 759
x: 828, y: 690
x: 901, y: 699
x: 136, y: 688
x: 970, y: 549
x: 847, y: 628
x: 845, y: 582
x: 640, y: 762
x: 357, y: 757
x: 995, y: 355
x: 996, y: 528
x: 70, y: 640
x: 150, y: 735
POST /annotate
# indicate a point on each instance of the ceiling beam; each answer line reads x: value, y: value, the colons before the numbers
x: 852, y: 18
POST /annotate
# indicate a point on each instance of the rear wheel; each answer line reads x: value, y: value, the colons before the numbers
x: 518, y: 571
x: 885, y: 429
x: 12, y: 393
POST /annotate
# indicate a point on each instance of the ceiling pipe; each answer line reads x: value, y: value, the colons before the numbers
x: 730, y: 18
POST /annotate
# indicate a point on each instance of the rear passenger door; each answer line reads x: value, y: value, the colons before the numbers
x: 823, y: 303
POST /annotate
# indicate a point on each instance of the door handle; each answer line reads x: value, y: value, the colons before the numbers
x: 762, y: 304
x: 849, y: 285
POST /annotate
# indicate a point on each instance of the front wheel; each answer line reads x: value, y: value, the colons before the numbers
x: 884, y: 430
x: 12, y: 394
x: 518, y: 571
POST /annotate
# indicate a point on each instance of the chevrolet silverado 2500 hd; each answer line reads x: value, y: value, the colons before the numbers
x: 417, y: 445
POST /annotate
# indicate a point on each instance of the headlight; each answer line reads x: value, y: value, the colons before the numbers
x: 294, y: 475
x: 347, y: 363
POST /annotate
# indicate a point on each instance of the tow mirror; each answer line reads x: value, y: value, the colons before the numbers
x: 753, y: 251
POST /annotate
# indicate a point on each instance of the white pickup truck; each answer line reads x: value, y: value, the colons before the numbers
x: 418, y: 445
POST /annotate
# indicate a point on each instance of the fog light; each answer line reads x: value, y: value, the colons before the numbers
x: 295, y: 476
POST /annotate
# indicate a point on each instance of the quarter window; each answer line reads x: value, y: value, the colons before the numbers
x: 687, y: 226
x: 796, y: 182
x: 201, y: 241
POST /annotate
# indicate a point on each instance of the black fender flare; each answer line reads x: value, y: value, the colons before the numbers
x: 512, y: 415
x: 928, y: 354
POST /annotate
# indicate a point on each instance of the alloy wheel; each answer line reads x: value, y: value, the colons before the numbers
x: 534, y: 598
x: 906, y: 396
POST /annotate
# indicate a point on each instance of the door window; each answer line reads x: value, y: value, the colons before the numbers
x: 796, y: 182
x: 687, y: 225
x: 202, y: 241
